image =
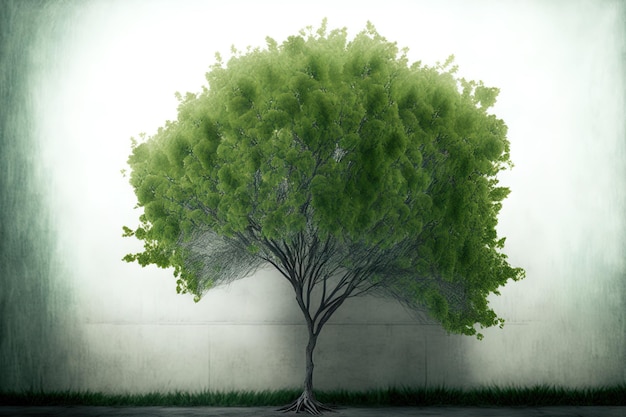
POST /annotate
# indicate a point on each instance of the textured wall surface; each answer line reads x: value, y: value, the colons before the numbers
x: 244, y: 338
x: 78, y: 79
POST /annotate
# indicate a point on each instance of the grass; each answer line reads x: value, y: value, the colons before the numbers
x: 439, y: 396
x: 490, y: 396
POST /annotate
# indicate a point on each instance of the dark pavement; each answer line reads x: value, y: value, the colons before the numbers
x: 76, y: 411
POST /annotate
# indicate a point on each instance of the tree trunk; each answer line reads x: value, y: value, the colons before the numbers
x: 306, y: 402
x: 308, y: 379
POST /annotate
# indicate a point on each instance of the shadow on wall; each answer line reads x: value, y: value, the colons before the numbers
x: 35, y: 301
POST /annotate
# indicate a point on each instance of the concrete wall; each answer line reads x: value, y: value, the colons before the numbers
x: 251, y: 336
x: 84, y: 77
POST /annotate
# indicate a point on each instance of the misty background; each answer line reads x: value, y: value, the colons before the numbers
x: 78, y: 79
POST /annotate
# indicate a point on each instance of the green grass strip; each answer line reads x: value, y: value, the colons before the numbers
x: 541, y: 395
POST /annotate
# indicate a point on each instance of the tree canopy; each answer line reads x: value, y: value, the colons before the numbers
x: 331, y: 158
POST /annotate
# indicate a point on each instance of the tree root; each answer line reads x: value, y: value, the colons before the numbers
x: 306, y: 403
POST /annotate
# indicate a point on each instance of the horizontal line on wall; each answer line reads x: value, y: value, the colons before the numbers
x: 262, y: 323
x: 241, y: 323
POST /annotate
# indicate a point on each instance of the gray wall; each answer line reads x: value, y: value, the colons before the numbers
x: 78, y: 79
x: 251, y: 336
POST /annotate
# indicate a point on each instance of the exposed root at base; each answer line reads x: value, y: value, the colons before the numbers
x: 306, y: 404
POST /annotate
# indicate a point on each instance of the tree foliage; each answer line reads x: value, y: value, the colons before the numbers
x: 331, y: 159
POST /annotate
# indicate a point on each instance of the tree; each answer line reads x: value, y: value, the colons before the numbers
x: 343, y: 166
